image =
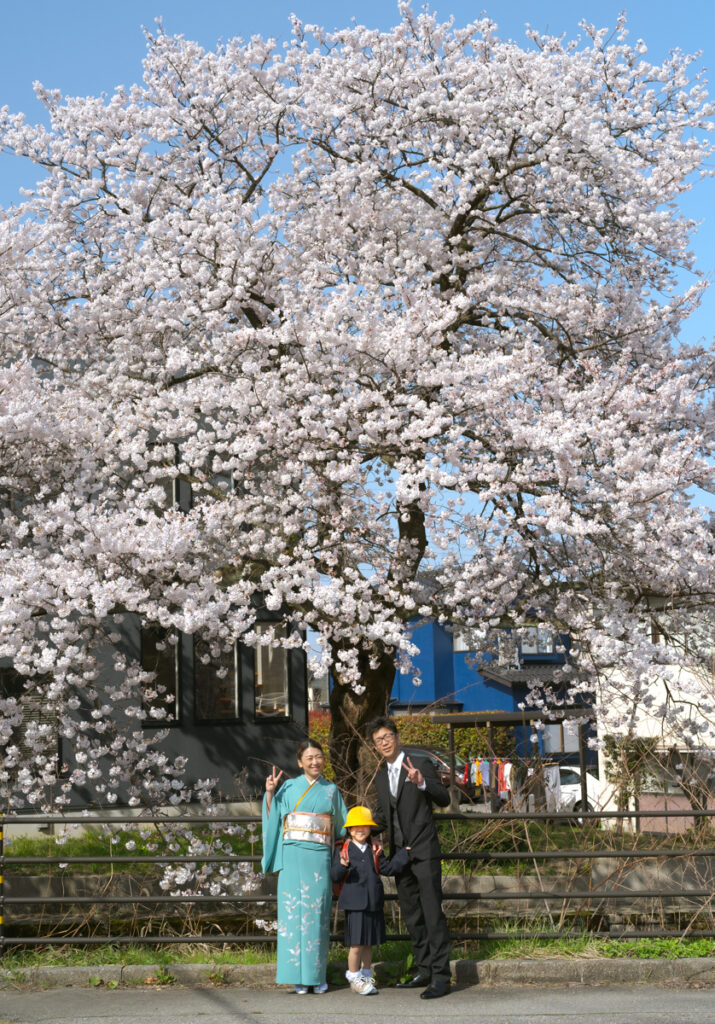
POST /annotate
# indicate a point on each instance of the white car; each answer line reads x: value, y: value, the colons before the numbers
x: 571, y: 790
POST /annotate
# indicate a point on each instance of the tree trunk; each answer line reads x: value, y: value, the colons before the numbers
x: 353, y: 756
x: 351, y: 752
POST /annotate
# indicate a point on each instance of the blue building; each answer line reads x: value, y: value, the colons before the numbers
x: 453, y: 677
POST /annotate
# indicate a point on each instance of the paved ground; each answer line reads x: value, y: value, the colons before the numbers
x: 567, y: 1005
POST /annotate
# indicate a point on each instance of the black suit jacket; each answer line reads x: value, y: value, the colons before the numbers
x: 362, y: 889
x: 414, y: 808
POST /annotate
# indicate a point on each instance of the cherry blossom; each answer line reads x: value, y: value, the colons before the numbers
x: 402, y: 310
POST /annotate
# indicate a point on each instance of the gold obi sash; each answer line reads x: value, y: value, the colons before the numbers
x: 306, y: 827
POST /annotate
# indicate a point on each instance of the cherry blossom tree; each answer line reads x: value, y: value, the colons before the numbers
x: 402, y: 308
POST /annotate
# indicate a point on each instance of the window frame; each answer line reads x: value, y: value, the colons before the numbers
x: 258, y: 716
x: 238, y: 688
x: 161, y: 723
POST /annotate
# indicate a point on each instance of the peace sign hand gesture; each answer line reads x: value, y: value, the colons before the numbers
x: 414, y: 775
x: 273, y: 779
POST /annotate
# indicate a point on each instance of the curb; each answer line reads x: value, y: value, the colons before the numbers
x: 692, y: 972
x: 256, y: 976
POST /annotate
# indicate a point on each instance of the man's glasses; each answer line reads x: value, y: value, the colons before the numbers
x: 380, y: 740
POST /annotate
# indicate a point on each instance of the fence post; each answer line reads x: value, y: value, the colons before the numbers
x: 583, y: 767
x: 2, y: 889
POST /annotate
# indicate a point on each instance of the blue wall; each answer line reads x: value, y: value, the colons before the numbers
x: 449, y: 678
x: 480, y: 694
x: 435, y: 665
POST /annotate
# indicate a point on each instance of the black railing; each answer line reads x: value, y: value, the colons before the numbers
x: 589, y: 902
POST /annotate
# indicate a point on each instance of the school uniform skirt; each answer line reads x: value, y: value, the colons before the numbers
x: 364, y: 927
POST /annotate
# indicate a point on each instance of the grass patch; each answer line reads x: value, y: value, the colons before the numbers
x: 100, y: 842
x: 471, y: 836
x: 584, y: 947
x: 578, y: 947
x: 494, y: 836
x: 164, y: 956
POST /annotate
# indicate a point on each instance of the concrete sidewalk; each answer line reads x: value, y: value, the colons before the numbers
x: 565, y: 1004
x: 691, y: 972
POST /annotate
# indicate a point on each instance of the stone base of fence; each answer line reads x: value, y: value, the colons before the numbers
x: 692, y: 972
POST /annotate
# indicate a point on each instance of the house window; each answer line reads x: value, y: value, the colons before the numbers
x: 12, y: 684
x: 271, y: 679
x: 216, y: 687
x: 465, y: 640
x: 560, y: 738
x: 507, y: 649
x: 536, y: 640
x: 552, y: 739
x: 177, y: 492
x: 160, y: 655
x: 36, y: 719
x: 570, y: 737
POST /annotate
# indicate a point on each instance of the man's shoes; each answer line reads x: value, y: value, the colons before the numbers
x: 436, y: 990
x: 415, y: 982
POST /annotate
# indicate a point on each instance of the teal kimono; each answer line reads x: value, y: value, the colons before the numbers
x: 304, y: 885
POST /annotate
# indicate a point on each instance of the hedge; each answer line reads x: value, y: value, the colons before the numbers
x: 423, y: 731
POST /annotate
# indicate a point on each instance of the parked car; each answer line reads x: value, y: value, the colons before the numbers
x: 571, y: 798
x: 440, y: 760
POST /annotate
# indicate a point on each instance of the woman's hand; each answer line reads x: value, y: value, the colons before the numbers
x: 273, y: 779
x: 272, y: 783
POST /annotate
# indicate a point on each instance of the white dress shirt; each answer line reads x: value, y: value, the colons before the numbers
x: 393, y: 774
x: 393, y: 771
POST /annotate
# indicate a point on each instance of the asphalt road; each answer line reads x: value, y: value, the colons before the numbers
x: 525, y: 1005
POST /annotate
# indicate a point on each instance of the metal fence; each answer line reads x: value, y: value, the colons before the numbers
x: 583, y: 908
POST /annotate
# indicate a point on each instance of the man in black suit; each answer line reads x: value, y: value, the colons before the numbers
x: 406, y: 789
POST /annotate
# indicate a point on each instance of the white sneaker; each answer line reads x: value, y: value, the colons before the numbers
x: 359, y: 985
x: 301, y: 990
x: 320, y: 990
x: 370, y: 988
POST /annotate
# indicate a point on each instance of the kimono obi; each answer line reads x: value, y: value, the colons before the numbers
x: 306, y: 827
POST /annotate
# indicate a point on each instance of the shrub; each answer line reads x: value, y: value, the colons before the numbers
x: 423, y: 731
x: 319, y: 729
x: 472, y: 741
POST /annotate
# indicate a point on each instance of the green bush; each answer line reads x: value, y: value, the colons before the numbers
x: 319, y: 729
x: 423, y: 731
x: 472, y: 741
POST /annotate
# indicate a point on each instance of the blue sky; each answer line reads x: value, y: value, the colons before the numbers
x: 82, y: 47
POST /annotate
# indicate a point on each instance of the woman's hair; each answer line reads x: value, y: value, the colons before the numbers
x: 305, y: 745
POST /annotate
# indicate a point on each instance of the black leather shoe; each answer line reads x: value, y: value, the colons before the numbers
x: 415, y: 982
x: 436, y: 990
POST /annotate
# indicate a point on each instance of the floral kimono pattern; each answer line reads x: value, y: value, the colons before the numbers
x: 304, y: 885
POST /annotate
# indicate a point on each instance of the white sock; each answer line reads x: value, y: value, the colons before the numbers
x: 366, y: 972
x: 352, y: 975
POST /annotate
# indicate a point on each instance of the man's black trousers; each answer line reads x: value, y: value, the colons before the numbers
x: 419, y: 890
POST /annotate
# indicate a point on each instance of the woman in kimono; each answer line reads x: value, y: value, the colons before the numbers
x: 300, y: 823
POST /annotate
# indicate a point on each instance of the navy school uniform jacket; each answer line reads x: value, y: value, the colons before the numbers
x: 363, y: 889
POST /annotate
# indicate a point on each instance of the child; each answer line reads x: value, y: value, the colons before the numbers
x: 362, y: 896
